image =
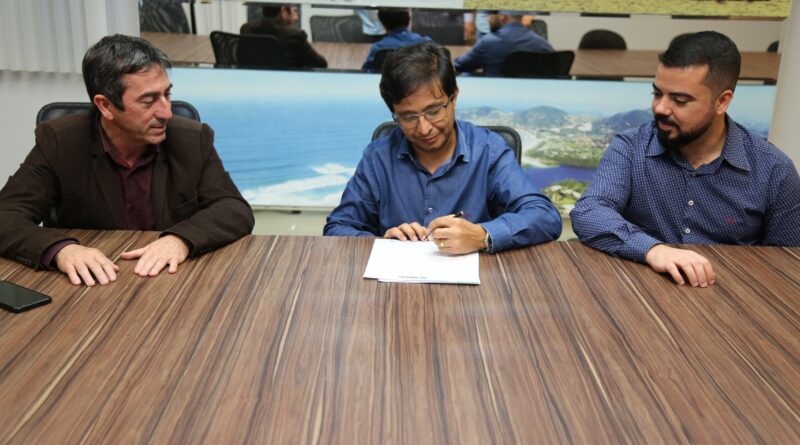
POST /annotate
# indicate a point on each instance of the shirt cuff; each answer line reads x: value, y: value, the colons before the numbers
x: 500, y: 238
x: 637, y: 246
x: 50, y: 253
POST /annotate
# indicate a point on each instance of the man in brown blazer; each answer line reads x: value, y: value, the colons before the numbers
x: 128, y: 164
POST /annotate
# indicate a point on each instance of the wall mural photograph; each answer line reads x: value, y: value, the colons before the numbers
x: 565, y: 126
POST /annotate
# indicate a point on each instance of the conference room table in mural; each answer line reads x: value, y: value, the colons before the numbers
x: 293, y: 139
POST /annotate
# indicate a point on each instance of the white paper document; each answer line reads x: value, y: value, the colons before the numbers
x: 420, y: 262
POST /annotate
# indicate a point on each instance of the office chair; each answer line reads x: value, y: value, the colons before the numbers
x: 58, y: 109
x: 444, y: 27
x: 773, y: 47
x: 539, y: 27
x: 337, y: 29
x: 162, y: 16
x: 507, y: 133
x: 550, y: 65
x: 602, y: 39
x: 247, y: 50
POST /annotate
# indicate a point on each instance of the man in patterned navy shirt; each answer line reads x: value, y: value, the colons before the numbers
x: 693, y: 175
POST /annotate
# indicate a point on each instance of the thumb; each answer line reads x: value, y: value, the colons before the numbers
x: 132, y: 254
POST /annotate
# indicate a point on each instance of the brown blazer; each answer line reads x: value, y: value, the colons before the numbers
x: 68, y: 181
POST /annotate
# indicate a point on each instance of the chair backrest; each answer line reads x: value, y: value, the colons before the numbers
x: 444, y: 27
x: 602, y: 39
x: 58, y: 109
x: 773, y: 47
x: 260, y: 51
x: 380, y: 57
x: 162, y: 16
x: 226, y: 47
x: 507, y: 133
x: 539, y: 27
x: 345, y: 28
x: 551, y: 65
x: 247, y: 50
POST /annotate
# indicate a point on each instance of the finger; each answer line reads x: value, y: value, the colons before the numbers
x: 443, y: 233
x: 700, y: 270
x: 99, y: 273
x: 672, y: 269
x: 85, y: 274
x: 712, y: 276
x: 173, y: 265
x: 688, y: 269
x: 73, y: 275
x: 393, y: 233
x: 132, y: 254
x: 408, y: 232
x: 110, y: 270
x: 420, y: 232
x: 158, y: 266
x: 143, y: 266
x: 442, y: 221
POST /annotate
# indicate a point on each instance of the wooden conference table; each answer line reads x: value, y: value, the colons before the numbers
x: 279, y: 340
x: 187, y: 49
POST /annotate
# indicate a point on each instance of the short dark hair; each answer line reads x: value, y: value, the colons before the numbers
x: 710, y: 48
x: 112, y: 57
x: 274, y: 10
x: 393, y: 19
x: 409, y: 67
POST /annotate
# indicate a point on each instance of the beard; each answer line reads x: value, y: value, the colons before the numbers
x: 682, y: 138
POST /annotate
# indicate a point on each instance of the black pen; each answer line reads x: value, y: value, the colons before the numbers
x: 458, y: 214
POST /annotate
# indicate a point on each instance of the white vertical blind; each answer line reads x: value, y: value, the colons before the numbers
x: 53, y: 35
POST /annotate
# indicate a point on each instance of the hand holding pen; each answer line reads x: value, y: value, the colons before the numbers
x: 454, y: 234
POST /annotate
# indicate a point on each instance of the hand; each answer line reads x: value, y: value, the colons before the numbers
x: 86, y: 264
x: 456, y: 235
x: 167, y: 250
x: 407, y: 231
x: 696, y: 267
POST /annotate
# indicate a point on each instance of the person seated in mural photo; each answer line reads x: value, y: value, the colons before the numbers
x: 438, y: 178
x: 692, y: 175
x: 127, y: 164
x: 508, y: 35
x: 395, y: 21
x: 279, y: 21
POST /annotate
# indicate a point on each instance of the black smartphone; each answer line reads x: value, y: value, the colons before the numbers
x: 16, y: 298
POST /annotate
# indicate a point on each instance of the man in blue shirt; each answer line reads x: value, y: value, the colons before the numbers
x: 693, y: 175
x: 395, y: 21
x: 508, y: 35
x: 438, y: 178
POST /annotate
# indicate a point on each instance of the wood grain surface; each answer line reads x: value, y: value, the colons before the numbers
x: 280, y: 340
x: 188, y: 49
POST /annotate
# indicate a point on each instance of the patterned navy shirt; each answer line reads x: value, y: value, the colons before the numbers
x: 643, y: 194
x: 483, y: 179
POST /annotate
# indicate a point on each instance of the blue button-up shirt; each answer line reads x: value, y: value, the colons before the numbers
x: 491, y: 50
x: 483, y: 179
x: 643, y: 194
x: 395, y: 39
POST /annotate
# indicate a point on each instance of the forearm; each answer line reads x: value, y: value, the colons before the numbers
x: 220, y: 223
x: 536, y: 223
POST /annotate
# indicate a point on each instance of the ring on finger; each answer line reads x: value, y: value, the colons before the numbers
x: 441, y: 243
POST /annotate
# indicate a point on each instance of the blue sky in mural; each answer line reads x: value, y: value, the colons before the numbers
x: 294, y: 138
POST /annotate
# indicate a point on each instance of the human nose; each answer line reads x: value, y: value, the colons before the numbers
x: 164, y: 111
x: 660, y: 106
x: 423, y: 124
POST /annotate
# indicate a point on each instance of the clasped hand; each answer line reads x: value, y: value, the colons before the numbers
x: 451, y: 235
x: 90, y: 266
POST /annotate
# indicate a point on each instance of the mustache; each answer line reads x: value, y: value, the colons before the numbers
x: 665, y: 120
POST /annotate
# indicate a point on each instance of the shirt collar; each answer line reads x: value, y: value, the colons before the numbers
x: 733, y: 151
x: 109, y: 149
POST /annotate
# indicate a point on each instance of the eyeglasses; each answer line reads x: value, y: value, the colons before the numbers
x: 432, y: 115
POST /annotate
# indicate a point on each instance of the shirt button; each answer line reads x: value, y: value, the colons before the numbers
x: 430, y: 210
x: 687, y: 230
x: 691, y: 203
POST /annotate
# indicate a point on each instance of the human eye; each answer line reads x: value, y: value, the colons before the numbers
x: 409, y: 117
x: 434, y: 113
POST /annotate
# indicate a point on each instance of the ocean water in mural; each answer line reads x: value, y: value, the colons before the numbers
x: 294, y: 138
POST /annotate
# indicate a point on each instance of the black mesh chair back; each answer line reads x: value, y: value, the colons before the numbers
x: 226, y: 47
x: 444, y: 27
x: 773, y: 47
x: 507, y: 133
x: 539, y: 27
x: 380, y: 57
x: 58, y: 109
x: 552, y: 65
x: 337, y: 29
x: 260, y: 51
x: 602, y: 39
x: 162, y: 16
